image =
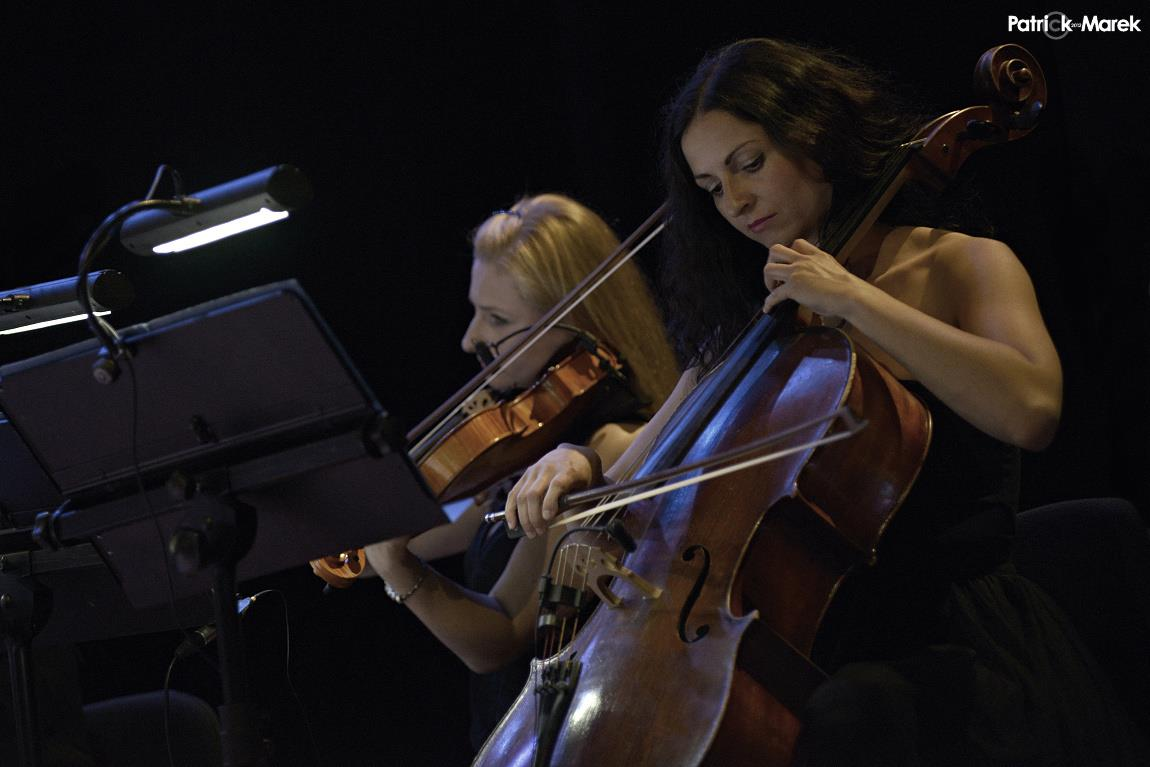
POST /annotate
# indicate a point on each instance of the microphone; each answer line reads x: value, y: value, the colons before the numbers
x: 203, y: 636
x: 617, y: 530
x: 487, y: 352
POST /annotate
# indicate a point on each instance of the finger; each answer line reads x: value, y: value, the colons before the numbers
x: 530, y: 506
x: 777, y: 296
x: 780, y: 254
x: 554, y: 491
x: 778, y: 272
x: 804, y: 246
x: 511, y: 506
x: 775, y: 275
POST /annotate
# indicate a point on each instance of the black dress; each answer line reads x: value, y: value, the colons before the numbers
x: 485, y: 560
x: 942, y: 654
x: 493, y: 693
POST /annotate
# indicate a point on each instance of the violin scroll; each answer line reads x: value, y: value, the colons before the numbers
x: 341, y: 570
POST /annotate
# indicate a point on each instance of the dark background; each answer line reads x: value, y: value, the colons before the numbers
x: 413, y: 124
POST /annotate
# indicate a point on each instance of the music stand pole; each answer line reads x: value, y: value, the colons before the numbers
x: 239, y: 738
x: 17, y: 626
x: 215, y: 534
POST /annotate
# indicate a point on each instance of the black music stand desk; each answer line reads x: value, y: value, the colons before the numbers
x: 237, y: 441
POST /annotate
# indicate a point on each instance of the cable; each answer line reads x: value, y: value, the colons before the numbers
x: 168, y: 712
x: 96, y: 243
x: 86, y: 259
x: 154, y: 516
x: 613, y: 529
x: 287, y: 670
x: 98, y: 240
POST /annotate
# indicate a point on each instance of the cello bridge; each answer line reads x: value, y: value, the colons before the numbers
x: 599, y: 567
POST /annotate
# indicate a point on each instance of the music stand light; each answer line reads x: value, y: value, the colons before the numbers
x: 54, y: 303
x: 246, y: 203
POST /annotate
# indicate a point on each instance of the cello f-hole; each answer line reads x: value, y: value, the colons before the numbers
x: 693, y: 597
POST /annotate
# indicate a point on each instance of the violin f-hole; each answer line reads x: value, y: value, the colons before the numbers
x: 693, y: 597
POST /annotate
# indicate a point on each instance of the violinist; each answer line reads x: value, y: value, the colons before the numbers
x: 525, y: 259
x: 941, y: 653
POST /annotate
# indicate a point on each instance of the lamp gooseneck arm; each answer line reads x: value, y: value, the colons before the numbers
x: 96, y: 243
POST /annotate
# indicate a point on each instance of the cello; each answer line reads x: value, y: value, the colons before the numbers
x: 704, y: 655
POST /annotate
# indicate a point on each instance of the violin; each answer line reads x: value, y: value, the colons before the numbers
x: 488, y: 439
x: 506, y: 436
x: 715, y: 592
x: 493, y: 440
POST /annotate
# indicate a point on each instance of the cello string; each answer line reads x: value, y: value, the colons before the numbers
x: 578, y: 617
x: 891, y: 172
x: 615, y: 490
x: 619, y: 507
x: 708, y: 475
x: 564, y: 573
x: 853, y: 426
x: 567, y: 573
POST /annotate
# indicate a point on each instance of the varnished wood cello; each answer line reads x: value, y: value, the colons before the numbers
x: 706, y: 656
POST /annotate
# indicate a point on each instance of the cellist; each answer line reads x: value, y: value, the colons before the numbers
x: 941, y: 653
x: 525, y: 258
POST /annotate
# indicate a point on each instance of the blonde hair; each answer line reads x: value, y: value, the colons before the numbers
x: 548, y: 243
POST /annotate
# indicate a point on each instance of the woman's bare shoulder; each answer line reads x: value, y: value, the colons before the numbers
x: 959, y: 254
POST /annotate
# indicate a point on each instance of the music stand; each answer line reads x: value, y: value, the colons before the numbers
x: 239, y: 441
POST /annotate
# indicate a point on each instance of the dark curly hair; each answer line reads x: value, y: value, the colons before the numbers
x: 812, y: 103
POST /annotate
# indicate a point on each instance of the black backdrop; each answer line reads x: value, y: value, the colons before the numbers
x: 413, y: 123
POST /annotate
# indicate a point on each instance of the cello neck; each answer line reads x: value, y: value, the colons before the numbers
x: 846, y: 236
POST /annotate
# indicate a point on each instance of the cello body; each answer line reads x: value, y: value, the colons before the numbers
x: 759, y: 564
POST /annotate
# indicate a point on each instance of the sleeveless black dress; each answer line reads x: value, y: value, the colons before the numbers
x: 493, y: 693
x: 942, y: 654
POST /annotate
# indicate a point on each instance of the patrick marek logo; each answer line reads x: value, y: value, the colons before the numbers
x: 1057, y: 25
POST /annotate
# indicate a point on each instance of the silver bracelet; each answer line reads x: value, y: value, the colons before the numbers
x: 401, y: 598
